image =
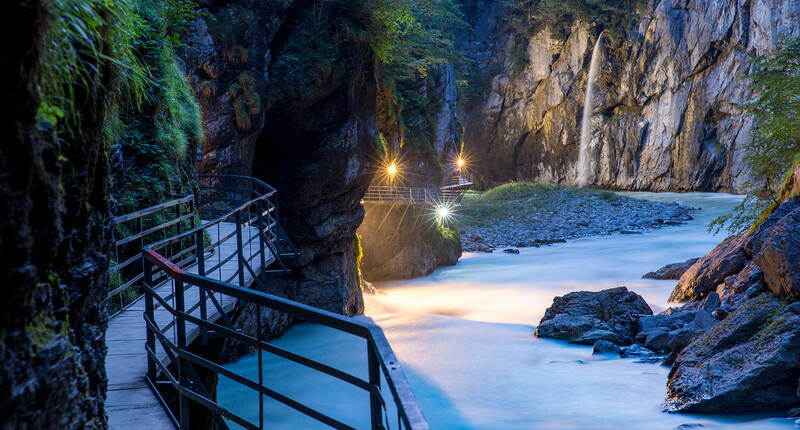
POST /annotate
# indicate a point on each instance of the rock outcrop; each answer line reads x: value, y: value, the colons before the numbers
x: 585, y: 317
x: 767, y: 257
x: 291, y: 98
x: 668, y: 92
x: 749, y: 362
x: 671, y: 271
x: 404, y: 241
x: 54, y: 235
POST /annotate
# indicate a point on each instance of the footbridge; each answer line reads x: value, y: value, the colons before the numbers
x: 184, y: 273
x: 451, y: 193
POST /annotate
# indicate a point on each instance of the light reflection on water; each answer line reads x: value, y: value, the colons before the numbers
x: 465, y: 337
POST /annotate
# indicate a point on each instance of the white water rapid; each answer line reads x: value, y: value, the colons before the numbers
x: 464, y: 336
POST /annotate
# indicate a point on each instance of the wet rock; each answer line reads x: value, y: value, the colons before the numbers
x: 604, y: 347
x: 671, y: 271
x: 720, y: 313
x: 749, y: 362
x: 585, y: 317
x: 794, y: 308
x: 689, y: 426
x: 511, y: 251
x: 670, y: 332
x: 635, y: 351
x: 727, y: 259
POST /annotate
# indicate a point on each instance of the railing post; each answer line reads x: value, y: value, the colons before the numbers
x: 239, y: 250
x: 149, y: 311
x: 199, y: 249
x: 375, y: 411
x: 180, y: 328
x: 262, y: 235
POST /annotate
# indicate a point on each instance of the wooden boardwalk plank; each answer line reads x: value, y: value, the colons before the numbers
x: 130, y: 402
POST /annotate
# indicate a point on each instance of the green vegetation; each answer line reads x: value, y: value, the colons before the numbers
x: 614, y: 16
x: 158, y: 137
x: 409, y: 37
x: 152, y: 120
x: 775, y: 148
x: 85, y: 37
x: 358, y: 259
x: 515, y: 198
x: 526, y: 17
x: 414, y: 37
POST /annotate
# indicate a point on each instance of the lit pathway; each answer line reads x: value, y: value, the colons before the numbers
x: 130, y: 402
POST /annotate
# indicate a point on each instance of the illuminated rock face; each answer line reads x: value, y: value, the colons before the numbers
x: 666, y: 113
x: 404, y: 241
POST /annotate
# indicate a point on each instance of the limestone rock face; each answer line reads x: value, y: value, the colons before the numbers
x: 665, y: 114
x: 749, y: 362
x: 404, y: 241
x: 585, y: 317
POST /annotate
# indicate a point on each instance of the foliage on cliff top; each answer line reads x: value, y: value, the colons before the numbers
x: 411, y: 38
x: 775, y: 148
x: 528, y: 16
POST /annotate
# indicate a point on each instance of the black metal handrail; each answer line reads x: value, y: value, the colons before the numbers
x: 130, y: 233
x: 205, y: 305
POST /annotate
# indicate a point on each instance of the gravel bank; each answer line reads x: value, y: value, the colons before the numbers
x: 525, y: 214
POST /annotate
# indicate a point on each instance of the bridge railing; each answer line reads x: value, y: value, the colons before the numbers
x: 207, y: 303
x: 415, y: 195
x: 131, y: 232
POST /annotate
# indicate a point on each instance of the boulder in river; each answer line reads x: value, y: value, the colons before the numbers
x: 748, y: 362
x: 671, y: 271
x: 586, y: 317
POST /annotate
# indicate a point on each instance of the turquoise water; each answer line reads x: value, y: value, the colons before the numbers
x: 465, y: 337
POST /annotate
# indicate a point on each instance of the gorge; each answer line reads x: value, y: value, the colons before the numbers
x: 120, y: 106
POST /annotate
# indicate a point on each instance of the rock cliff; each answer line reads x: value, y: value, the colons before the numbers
x: 54, y: 234
x: 289, y: 96
x: 668, y: 92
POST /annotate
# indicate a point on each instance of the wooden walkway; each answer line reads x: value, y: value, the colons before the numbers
x: 130, y: 403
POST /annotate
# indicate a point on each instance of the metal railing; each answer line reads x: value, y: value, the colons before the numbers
x: 131, y: 232
x: 203, y: 301
x: 415, y: 195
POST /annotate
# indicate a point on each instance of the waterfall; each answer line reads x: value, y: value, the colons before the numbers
x: 584, y: 163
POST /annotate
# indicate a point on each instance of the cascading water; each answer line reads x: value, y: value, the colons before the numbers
x: 584, y: 162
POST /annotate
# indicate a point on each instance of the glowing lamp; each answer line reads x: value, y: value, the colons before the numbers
x: 391, y: 169
x: 442, y: 213
x: 460, y: 163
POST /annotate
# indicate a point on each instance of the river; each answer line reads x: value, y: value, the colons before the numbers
x: 465, y: 337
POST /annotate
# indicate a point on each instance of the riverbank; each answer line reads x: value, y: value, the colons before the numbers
x: 534, y: 214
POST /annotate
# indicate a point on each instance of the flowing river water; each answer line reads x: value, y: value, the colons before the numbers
x: 465, y: 337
